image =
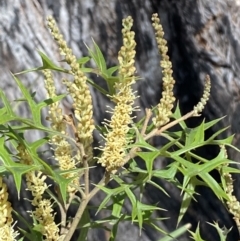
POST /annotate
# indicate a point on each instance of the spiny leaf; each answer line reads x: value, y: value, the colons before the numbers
x: 46, y: 64
x: 177, y: 115
x: 187, y: 197
x: 98, y: 57
x: 222, y: 232
x: 7, y: 107
x: 215, y: 187
x: 149, y: 158
x: 83, y: 60
x: 196, y: 236
x: 115, y: 228
x: 118, y: 202
x: 85, y: 219
x: 178, y: 232
x: 15, y: 168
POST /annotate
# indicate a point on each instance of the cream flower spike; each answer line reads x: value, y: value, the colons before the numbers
x: 118, y: 127
x: 164, y: 108
x: 79, y: 91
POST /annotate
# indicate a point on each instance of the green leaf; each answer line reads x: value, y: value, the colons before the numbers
x: 15, y: 168
x: 139, y: 215
x: 7, y: 106
x: 186, y: 180
x: 168, y: 173
x: 34, y: 229
x: 212, y: 123
x: 177, y: 115
x: 110, y: 194
x: 222, y: 232
x: 34, y: 146
x: 3, y: 110
x: 144, y: 212
x: 215, y: 187
x: 133, y: 201
x: 187, y: 148
x: 46, y: 64
x: 34, y: 107
x: 118, y: 202
x: 142, y: 144
x: 111, y: 80
x: 83, y: 60
x: 227, y: 142
x: 112, y: 70
x: 35, y: 235
x: 216, y: 134
x: 186, y: 164
x: 18, y: 170
x: 198, y: 133
x: 187, y: 197
x: 87, y: 70
x: 32, y: 104
x: 159, y: 187
x: 170, y: 144
x: 213, y: 164
x: 149, y: 158
x: 32, y: 152
x: 156, y: 227
x: 2, y: 168
x: 107, y: 74
x: 197, y: 169
x: 178, y: 232
x: 98, y: 57
x: 227, y: 169
x: 62, y: 183
x: 85, y: 219
x: 115, y: 228
x: 196, y: 236
x: 97, y: 87
x: 131, y: 196
x: 50, y: 101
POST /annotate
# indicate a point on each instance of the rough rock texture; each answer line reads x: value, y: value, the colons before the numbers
x: 203, y: 38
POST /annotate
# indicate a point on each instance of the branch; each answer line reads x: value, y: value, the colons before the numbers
x: 82, y: 207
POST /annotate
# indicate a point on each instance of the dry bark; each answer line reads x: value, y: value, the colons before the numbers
x: 203, y: 38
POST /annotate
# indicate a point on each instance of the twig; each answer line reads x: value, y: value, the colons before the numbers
x: 63, y: 220
x: 86, y: 176
x: 145, y: 124
x: 82, y: 207
x: 157, y: 132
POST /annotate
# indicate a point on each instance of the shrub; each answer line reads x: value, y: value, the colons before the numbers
x: 125, y: 144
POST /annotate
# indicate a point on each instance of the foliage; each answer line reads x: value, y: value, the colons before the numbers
x: 132, y: 144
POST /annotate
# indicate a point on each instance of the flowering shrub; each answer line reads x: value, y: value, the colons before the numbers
x: 71, y: 140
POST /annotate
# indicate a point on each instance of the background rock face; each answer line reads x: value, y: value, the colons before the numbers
x: 203, y: 38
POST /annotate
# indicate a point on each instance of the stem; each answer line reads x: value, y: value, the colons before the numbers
x: 63, y: 229
x: 145, y: 124
x: 81, y: 209
x: 81, y: 192
x: 86, y: 176
x: 158, y: 132
x: 76, y: 219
